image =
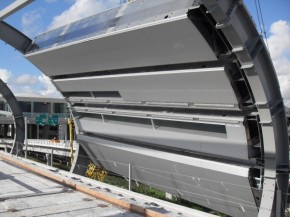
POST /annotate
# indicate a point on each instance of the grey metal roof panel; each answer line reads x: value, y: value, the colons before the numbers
x: 229, y: 140
x: 178, y: 86
x: 119, y: 18
x: 169, y: 41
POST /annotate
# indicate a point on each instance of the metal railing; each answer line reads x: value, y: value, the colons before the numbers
x: 33, y: 114
x: 48, y: 147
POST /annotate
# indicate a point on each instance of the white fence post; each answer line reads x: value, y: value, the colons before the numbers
x: 26, y: 142
x: 130, y: 176
x: 51, y: 158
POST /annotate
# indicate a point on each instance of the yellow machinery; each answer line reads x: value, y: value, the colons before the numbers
x: 70, y: 123
x: 93, y: 171
x: 96, y: 173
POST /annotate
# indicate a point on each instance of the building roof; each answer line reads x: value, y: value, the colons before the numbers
x: 36, y: 97
x: 33, y: 95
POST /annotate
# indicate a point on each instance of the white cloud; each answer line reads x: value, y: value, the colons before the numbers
x: 5, y: 75
x: 81, y: 9
x: 47, y: 88
x: 26, y: 79
x: 279, y: 41
x: 279, y: 47
x: 285, y: 86
x: 32, y: 23
x: 282, y: 65
x: 26, y: 83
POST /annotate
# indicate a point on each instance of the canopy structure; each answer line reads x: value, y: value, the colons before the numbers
x: 183, y: 91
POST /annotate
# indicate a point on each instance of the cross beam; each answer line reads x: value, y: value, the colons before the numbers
x: 12, y: 8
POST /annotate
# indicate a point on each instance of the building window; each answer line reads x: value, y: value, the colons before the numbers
x: 2, y: 106
x: 41, y: 107
x: 25, y: 106
x: 60, y: 108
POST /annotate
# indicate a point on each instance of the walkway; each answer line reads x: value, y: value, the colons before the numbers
x: 50, y: 192
x: 26, y: 194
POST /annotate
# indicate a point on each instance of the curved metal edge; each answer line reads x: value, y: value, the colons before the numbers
x: 17, y: 113
x: 80, y: 162
x: 14, y: 37
x: 234, y: 21
x: 13, y: 7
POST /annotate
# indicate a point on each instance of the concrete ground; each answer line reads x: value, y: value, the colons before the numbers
x: 26, y: 194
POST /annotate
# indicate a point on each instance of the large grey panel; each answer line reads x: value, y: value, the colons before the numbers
x: 221, y: 186
x: 121, y: 17
x: 229, y: 140
x: 168, y: 86
x: 170, y: 41
x: 82, y: 29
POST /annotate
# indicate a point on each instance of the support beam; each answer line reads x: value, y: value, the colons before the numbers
x: 12, y: 8
x: 16, y: 111
x: 14, y: 37
x: 130, y: 177
x: 25, y: 140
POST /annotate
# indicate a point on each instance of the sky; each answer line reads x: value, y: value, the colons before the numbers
x: 43, y: 15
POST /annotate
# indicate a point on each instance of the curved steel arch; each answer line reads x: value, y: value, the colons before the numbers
x: 14, y: 37
x: 11, y: 35
x: 16, y: 111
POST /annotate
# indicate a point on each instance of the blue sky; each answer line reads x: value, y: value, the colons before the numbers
x: 42, y: 15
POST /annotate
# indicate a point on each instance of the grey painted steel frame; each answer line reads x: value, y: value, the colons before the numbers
x: 14, y: 38
x: 13, y: 7
x: 9, y: 34
x: 16, y: 111
x: 236, y: 24
x: 254, y: 60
